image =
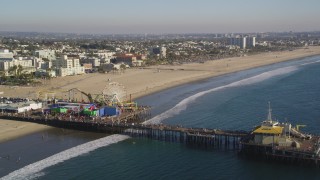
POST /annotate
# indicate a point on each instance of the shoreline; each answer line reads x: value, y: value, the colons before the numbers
x: 142, y: 82
x: 10, y: 130
x: 175, y: 84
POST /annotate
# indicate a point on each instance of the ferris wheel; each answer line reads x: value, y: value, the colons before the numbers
x: 114, y: 93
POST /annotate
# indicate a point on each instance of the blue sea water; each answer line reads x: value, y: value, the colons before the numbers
x: 234, y: 101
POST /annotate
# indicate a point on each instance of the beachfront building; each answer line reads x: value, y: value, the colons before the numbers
x: 87, y: 67
x: 159, y: 51
x: 129, y: 59
x: 46, y: 53
x: 45, y: 72
x: 238, y: 41
x: 41, y: 64
x: 243, y: 42
x: 19, y: 107
x: 7, y: 61
x: 125, y: 59
x: 27, y: 64
x: 105, y: 54
x: 68, y: 65
x: 5, y: 55
x: 5, y: 65
x: 251, y: 41
x: 95, y: 62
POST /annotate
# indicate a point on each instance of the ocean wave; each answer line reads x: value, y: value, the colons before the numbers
x: 310, y: 63
x: 182, y: 105
x: 34, y: 170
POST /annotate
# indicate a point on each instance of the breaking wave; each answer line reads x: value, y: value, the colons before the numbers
x: 310, y: 63
x: 182, y: 105
x: 32, y: 171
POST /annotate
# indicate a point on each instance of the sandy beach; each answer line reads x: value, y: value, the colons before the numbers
x: 139, y: 81
x: 14, y: 129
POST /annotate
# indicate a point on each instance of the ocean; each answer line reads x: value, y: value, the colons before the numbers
x: 236, y: 101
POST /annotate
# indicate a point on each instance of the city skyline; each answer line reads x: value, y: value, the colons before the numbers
x: 143, y: 16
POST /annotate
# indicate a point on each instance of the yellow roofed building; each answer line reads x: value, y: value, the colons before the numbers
x: 267, y: 135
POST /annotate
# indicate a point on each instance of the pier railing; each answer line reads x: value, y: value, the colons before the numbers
x: 131, y: 124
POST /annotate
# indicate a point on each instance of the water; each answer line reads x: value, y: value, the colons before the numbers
x: 233, y: 101
x: 20, y: 152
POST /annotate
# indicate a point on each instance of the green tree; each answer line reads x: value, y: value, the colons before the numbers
x: 123, y: 67
x: 19, y: 69
x: 3, y: 76
x: 13, y: 70
x: 48, y: 73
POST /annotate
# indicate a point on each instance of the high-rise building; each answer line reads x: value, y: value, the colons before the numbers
x: 68, y: 65
x: 251, y: 42
x: 48, y: 54
x: 238, y: 41
x: 160, y: 51
x: 243, y: 42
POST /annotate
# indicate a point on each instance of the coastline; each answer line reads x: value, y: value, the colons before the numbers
x: 14, y: 129
x: 276, y: 59
x: 141, y: 82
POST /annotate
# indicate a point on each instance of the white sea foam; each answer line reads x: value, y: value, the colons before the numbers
x: 34, y: 170
x: 310, y: 63
x: 182, y: 105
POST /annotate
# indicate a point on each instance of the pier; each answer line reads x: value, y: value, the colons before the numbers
x: 198, y: 137
x: 131, y: 124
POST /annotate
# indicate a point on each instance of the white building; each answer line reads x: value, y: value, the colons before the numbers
x: 27, y: 65
x: 159, y: 51
x: 251, y: 42
x: 20, y: 107
x: 43, y: 64
x: 5, y: 65
x: 107, y: 55
x: 94, y: 61
x: 48, y: 54
x: 42, y: 72
x: 238, y: 41
x: 68, y: 65
x: 5, y: 55
x: 7, y: 61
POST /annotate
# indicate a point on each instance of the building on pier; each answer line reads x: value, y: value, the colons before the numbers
x: 20, y: 107
x: 281, y: 141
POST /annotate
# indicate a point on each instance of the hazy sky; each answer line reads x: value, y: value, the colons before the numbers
x: 159, y: 16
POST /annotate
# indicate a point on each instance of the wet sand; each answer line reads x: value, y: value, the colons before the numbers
x: 14, y: 129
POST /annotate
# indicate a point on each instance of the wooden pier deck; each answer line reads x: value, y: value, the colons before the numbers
x: 131, y: 124
x: 201, y: 137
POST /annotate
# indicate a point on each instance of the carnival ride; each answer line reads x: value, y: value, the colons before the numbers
x: 114, y: 94
x: 74, y: 93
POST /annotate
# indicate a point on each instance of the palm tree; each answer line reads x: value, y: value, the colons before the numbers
x: 13, y: 70
x: 114, y: 69
x: 48, y: 73
x: 123, y: 67
x: 19, y: 69
x: 3, y: 76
